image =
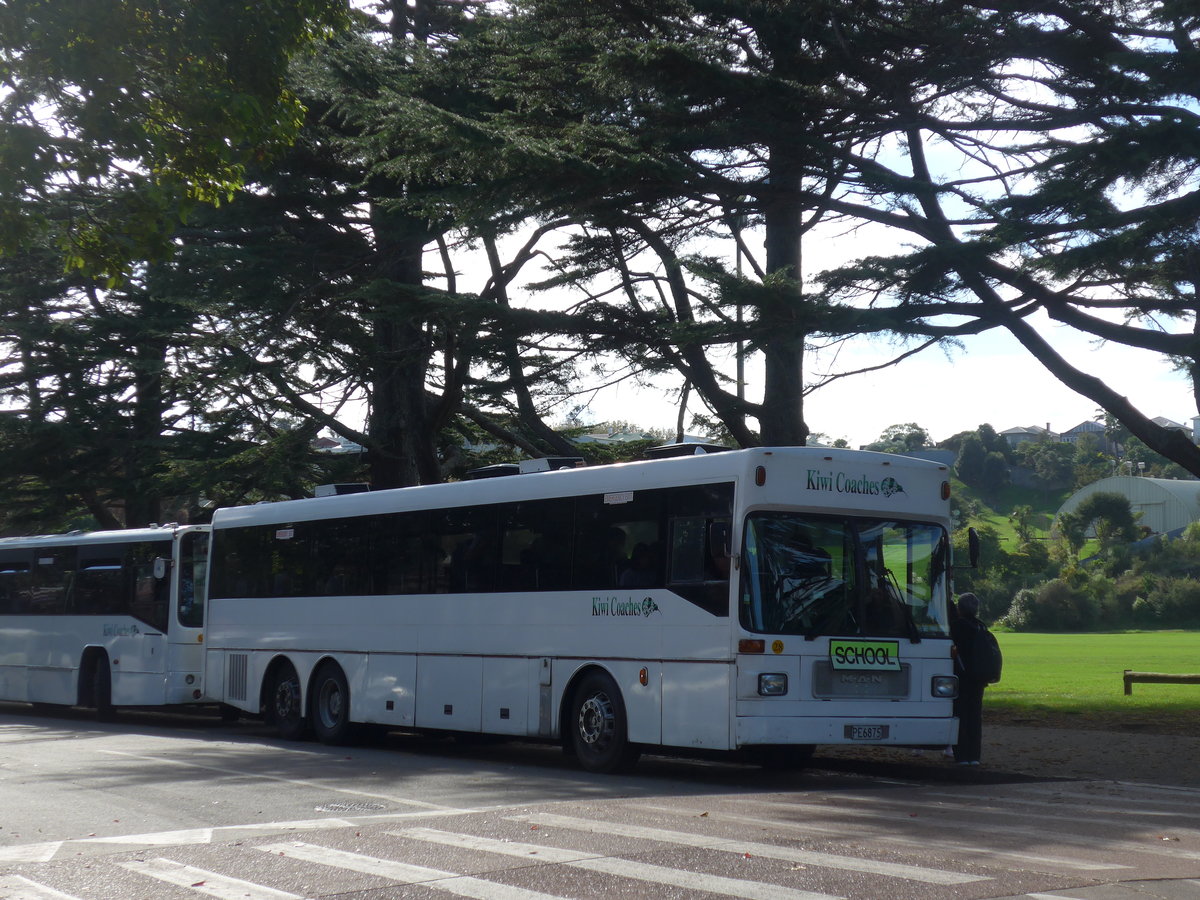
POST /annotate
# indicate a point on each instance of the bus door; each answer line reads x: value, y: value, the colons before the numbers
x: 139, y: 646
x: 185, y: 652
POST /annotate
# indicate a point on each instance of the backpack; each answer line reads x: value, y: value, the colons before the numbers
x: 985, y: 661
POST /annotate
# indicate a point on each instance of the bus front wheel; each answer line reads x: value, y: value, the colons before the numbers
x: 331, y: 705
x: 599, y: 728
x: 284, y: 707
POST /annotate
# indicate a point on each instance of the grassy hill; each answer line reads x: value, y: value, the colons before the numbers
x: 994, y: 508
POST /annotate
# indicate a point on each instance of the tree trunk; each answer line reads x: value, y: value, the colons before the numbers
x: 143, y: 504
x: 781, y: 420
x: 399, y: 421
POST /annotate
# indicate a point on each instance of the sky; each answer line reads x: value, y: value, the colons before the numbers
x: 991, y: 379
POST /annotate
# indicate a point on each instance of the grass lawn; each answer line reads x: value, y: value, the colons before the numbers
x: 1075, y: 680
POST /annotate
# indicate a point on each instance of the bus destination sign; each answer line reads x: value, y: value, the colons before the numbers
x: 876, y: 655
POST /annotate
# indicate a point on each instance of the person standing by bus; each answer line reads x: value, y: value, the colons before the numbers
x: 968, y: 707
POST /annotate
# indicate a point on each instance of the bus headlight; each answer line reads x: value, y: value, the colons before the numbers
x: 772, y: 684
x: 944, y: 686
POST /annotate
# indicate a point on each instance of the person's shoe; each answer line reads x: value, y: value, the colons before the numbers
x: 973, y: 762
x: 948, y: 753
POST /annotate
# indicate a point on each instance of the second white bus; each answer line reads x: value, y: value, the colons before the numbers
x: 106, y: 619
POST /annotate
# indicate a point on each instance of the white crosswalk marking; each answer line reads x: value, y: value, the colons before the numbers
x: 405, y: 873
x: 209, y: 883
x: 157, y: 839
x: 24, y: 853
x: 769, y: 851
x: 621, y: 868
x: 14, y: 887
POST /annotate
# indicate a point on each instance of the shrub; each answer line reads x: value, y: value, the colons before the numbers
x: 1172, y: 602
x: 1055, y: 605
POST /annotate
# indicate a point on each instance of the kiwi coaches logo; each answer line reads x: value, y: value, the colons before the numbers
x: 841, y: 483
x: 614, y: 606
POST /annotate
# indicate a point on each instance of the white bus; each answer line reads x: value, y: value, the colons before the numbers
x: 103, y: 620
x: 767, y: 599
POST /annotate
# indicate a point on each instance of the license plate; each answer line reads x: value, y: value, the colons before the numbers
x: 866, y: 732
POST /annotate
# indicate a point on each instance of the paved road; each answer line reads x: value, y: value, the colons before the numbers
x: 176, y: 807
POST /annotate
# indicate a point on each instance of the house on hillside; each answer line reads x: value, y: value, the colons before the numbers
x: 1025, y: 434
x: 1171, y: 424
x: 1072, y: 435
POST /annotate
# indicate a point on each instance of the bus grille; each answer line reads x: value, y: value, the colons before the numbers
x: 235, y: 682
x: 831, y: 683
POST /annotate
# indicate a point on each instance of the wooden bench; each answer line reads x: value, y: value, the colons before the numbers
x: 1156, y: 678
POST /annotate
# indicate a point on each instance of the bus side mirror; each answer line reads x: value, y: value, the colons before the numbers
x: 161, y: 564
x: 973, y: 547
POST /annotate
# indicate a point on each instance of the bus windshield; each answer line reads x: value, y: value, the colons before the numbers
x: 820, y: 575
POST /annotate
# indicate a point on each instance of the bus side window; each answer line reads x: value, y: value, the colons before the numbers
x: 469, y: 541
x: 51, y: 576
x: 340, y: 563
x: 403, y: 553
x: 15, y: 582
x: 700, y: 528
x: 535, y: 553
x: 608, y: 529
x: 193, y: 556
x: 100, y: 587
x: 149, y: 596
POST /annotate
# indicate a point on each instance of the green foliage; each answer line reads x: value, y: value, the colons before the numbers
x: 1110, y: 515
x: 994, y: 477
x: 1090, y: 463
x: 1052, y: 462
x: 901, y: 439
x: 1158, y: 586
x: 143, y: 108
x: 971, y: 459
x: 1055, y: 605
x: 1138, y: 459
x: 1022, y: 518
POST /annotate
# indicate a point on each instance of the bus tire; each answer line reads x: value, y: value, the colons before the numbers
x: 329, y: 699
x: 284, y: 707
x: 599, y: 727
x: 100, y: 688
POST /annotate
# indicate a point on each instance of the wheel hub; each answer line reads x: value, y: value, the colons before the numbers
x: 596, y: 719
x: 331, y: 704
x: 287, y: 699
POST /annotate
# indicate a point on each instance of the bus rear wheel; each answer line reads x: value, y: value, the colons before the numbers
x: 100, y: 688
x: 284, y: 708
x: 330, y: 711
x: 599, y: 727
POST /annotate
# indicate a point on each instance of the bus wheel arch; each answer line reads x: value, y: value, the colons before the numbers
x: 329, y: 703
x: 283, y: 700
x: 95, y: 683
x: 594, y: 724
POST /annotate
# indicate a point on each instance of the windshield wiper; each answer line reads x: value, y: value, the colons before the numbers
x: 913, y: 631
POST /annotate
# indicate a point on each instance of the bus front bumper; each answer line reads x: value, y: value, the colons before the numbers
x: 774, y: 730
